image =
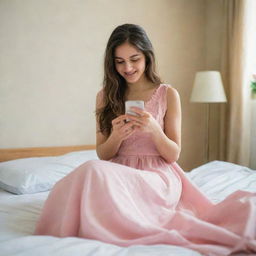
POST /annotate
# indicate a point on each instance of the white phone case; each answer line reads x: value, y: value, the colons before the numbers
x: 133, y: 103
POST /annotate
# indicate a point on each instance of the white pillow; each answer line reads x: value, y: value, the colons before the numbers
x: 37, y: 174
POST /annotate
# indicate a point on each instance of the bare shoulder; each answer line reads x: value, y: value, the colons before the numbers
x: 173, y: 96
x: 172, y: 120
x: 100, y: 99
x: 99, y: 94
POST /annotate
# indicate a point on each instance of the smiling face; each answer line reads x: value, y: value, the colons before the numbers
x: 130, y: 63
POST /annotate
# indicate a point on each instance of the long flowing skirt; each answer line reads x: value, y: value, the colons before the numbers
x: 122, y: 205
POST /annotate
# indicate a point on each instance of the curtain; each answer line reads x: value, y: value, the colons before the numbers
x: 239, y: 36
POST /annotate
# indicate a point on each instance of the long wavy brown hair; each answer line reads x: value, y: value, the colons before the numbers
x: 114, y: 85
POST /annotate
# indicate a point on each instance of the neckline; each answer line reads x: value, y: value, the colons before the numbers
x: 153, y: 94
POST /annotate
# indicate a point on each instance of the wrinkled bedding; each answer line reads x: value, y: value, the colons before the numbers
x: 19, y: 213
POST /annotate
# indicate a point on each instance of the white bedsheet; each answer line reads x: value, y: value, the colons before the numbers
x: 19, y: 213
x: 219, y: 179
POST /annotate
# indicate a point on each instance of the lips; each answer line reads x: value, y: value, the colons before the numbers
x: 130, y: 74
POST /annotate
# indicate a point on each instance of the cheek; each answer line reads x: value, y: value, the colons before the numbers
x: 118, y: 69
x: 142, y: 65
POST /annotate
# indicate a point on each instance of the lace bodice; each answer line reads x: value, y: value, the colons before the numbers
x: 140, y: 143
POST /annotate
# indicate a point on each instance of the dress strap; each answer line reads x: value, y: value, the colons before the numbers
x: 159, y: 98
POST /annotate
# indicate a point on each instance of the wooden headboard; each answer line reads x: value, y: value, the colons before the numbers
x: 15, y: 153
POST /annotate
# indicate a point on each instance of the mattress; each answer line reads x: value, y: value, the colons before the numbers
x: 19, y: 213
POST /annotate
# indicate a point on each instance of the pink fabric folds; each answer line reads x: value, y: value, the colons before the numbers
x: 137, y: 198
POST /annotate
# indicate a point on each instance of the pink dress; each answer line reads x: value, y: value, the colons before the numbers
x: 138, y: 198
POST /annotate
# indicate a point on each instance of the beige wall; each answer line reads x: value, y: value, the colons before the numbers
x: 52, y: 56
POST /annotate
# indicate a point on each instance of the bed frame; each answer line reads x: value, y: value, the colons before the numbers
x: 15, y: 153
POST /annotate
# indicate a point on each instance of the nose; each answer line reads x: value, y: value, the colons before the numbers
x: 128, y: 67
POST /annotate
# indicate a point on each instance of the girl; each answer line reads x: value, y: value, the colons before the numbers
x: 136, y: 193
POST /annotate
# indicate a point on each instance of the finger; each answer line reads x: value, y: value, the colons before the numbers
x: 128, y: 133
x: 139, y: 111
x: 138, y: 120
x: 127, y: 127
x: 122, y: 117
x: 139, y: 124
x: 136, y: 110
x: 118, y: 120
x: 132, y: 117
x: 116, y: 124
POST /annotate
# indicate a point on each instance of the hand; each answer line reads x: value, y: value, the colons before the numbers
x: 144, y: 121
x: 121, y: 129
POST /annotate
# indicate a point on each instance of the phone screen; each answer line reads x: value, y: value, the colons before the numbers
x: 133, y: 103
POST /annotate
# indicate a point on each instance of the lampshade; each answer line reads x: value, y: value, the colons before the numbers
x: 208, y: 87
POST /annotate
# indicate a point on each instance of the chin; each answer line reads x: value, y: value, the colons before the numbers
x: 134, y: 80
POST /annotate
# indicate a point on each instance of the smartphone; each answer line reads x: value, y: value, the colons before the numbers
x: 133, y: 103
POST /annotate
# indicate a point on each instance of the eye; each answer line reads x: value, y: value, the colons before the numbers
x: 134, y: 60
x: 119, y: 62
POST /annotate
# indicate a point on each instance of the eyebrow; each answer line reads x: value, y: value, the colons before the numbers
x: 135, y: 55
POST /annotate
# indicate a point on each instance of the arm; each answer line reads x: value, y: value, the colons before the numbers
x: 108, y: 146
x: 168, y: 142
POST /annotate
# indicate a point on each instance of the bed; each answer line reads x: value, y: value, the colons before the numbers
x: 29, y: 174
